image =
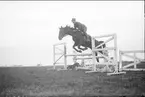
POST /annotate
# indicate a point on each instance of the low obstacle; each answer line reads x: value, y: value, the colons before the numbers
x: 83, y: 57
x: 133, y: 65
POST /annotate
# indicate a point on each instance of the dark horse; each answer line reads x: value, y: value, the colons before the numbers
x: 79, y: 39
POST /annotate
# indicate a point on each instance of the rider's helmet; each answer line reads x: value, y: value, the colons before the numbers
x: 73, y: 20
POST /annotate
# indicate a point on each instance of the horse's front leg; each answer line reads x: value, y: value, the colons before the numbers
x: 76, y: 49
x: 79, y: 47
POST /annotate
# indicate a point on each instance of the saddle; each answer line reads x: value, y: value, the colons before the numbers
x: 85, y: 36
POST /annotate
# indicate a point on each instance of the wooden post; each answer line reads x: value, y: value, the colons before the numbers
x: 120, y: 61
x: 74, y: 57
x: 135, y: 60
x: 53, y: 56
x: 93, y: 53
x: 115, y: 53
x: 65, y: 57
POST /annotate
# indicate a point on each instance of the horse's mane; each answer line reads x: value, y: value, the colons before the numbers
x: 69, y: 27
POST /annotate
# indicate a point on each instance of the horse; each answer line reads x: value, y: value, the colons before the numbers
x: 79, y: 39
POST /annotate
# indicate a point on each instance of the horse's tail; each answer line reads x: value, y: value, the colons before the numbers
x: 104, y: 45
x: 105, y: 51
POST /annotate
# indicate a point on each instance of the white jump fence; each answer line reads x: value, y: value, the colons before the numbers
x: 111, y: 64
x: 61, y: 54
x: 133, y: 65
x: 108, y: 65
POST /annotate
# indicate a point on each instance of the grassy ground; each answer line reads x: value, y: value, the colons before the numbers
x: 40, y: 82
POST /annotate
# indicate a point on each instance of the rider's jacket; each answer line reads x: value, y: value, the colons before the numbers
x: 80, y: 26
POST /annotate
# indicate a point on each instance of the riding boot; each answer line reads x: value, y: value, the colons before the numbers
x: 86, y: 37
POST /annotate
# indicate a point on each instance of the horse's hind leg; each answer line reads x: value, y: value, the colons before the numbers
x: 97, y: 58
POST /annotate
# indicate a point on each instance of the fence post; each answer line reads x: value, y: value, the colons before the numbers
x: 93, y: 53
x: 53, y: 56
x: 65, y: 57
x: 120, y: 61
x: 135, y: 60
x: 115, y: 53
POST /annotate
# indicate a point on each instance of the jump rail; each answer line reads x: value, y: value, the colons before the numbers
x: 136, y: 60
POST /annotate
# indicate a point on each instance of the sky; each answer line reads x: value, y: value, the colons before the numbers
x: 29, y: 29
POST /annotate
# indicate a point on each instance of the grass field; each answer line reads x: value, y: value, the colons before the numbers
x: 41, y: 82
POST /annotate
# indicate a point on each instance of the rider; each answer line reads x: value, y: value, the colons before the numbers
x: 81, y: 27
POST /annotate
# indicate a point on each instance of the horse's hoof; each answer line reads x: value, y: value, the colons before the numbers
x: 80, y: 51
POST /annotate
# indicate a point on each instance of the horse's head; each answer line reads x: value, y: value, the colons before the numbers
x: 63, y: 31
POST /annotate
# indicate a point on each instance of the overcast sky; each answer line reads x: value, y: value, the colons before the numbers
x: 28, y: 29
